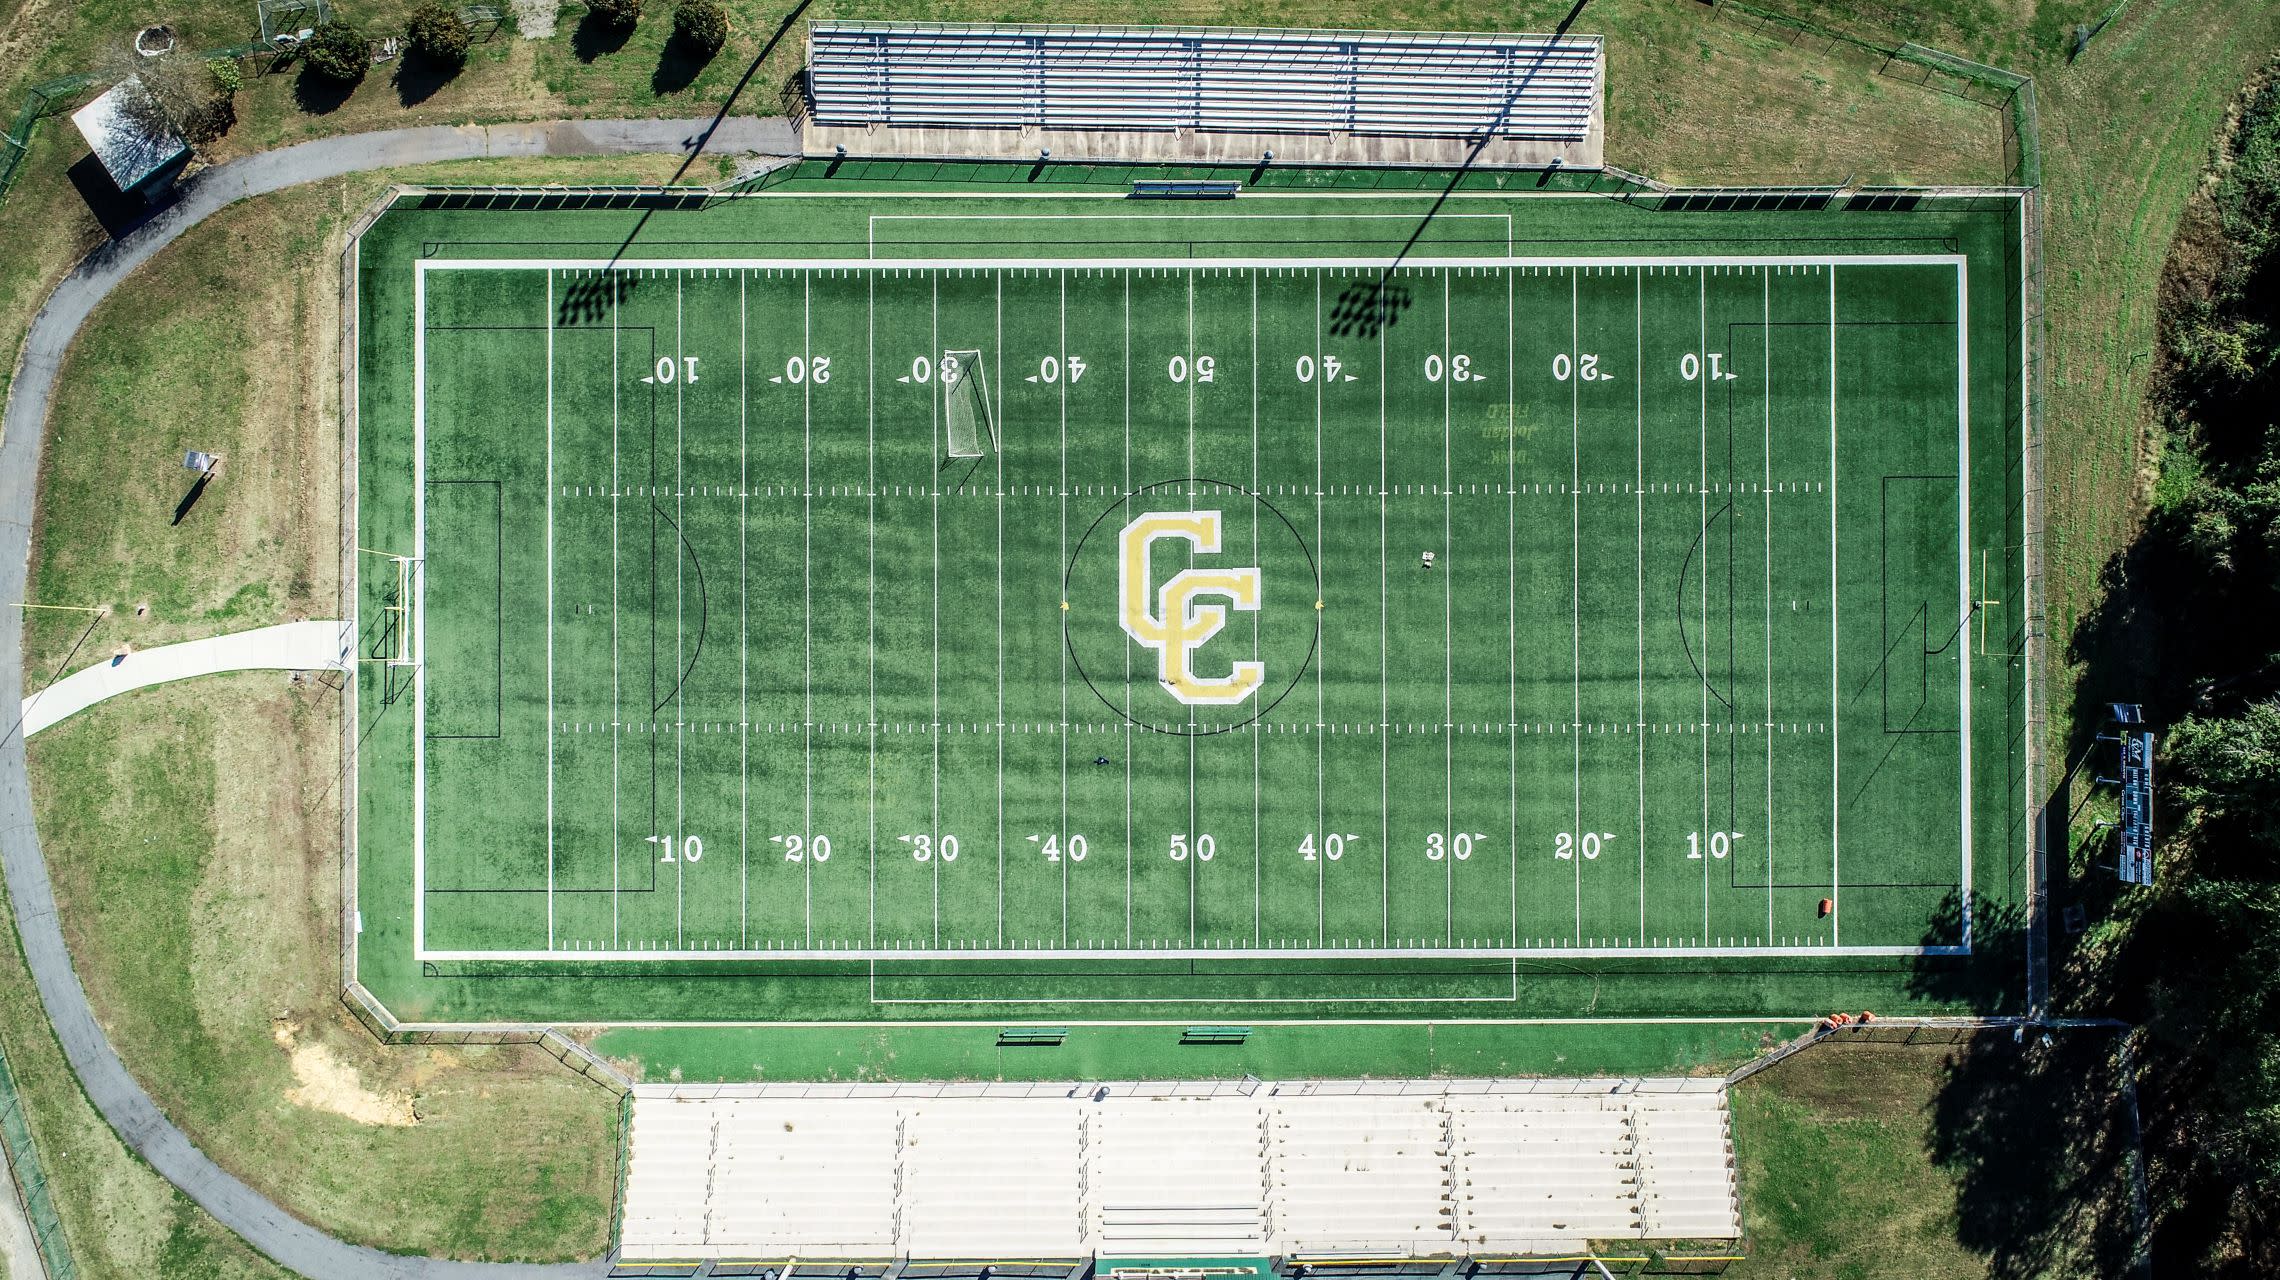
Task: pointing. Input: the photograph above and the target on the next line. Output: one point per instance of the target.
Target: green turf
(1673, 607)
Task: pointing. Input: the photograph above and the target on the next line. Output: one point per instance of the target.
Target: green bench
(1215, 1035)
(1033, 1036)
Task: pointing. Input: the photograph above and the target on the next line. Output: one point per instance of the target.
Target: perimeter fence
(2010, 94)
(32, 1189)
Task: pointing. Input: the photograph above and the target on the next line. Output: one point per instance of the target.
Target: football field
(788, 678)
(1068, 603)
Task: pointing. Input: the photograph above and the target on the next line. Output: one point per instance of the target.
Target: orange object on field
(1827, 905)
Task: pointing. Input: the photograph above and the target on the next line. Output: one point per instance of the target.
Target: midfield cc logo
(1178, 625)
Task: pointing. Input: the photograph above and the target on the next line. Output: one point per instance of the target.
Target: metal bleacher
(1382, 1169)
(993, 76)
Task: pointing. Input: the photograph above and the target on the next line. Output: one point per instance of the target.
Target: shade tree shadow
(2034, 1128)
(597, 37)
(679, 64)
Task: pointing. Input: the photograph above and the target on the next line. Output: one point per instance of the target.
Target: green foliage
(702, 23)
(2219, 351)
(338, 51)
(615, 13)
(437, 33)
(227, 75)
(2249, 198)
(2229, 766)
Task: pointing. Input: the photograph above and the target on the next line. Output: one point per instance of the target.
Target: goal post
(393, 646)
(967, 421)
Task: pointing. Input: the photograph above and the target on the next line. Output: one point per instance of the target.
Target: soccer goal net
(966, 405)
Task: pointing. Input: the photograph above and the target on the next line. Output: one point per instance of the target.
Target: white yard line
(744, 612)
(1321, 806)
(998, 452)
(807, 601)
(1575, 568)
(1195, 860)
(935, 400)
(617, 707)
(1061, 331)
(1639, 548)
(1385, 688)
(1702, 486)
(1766, 492)
(1258, 833)
(1128, 853)
(1836, 709)
(1448, 639)
(550, 610)
(680, 608)
(1512, 584)
(871, 575)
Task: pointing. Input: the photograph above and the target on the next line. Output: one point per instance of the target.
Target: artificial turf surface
(1703, 581)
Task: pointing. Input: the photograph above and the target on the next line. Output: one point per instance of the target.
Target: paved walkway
(110, 1087)
(289, 646)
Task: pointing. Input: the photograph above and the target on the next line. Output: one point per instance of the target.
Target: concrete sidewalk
(290, 646)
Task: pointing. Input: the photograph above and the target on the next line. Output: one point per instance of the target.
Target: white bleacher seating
(994, 76)
(1395, 1167)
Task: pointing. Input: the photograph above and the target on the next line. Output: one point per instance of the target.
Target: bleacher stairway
(1414, 1168)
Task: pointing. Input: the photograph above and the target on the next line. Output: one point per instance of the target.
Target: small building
(129, 136)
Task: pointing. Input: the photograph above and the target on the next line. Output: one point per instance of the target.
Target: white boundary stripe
(415, 617)
(1191, 953)
(647, 1024)
(418, 648)
(549, 610)
(1963, 563)
(1209, 952)
(1160, 264)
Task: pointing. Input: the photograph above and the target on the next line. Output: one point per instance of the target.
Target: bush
(615, 13)
(227, 76)
(702, 23)
(437, 32)
(337, 51)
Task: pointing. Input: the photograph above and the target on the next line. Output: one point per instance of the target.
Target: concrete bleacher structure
(1421, 1168)
(1203, 94)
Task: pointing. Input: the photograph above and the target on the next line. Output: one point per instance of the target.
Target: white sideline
(290, 646)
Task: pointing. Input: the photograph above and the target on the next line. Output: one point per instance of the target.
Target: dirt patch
(328, 1084)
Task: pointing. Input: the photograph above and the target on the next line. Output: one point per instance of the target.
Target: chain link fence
(31, 1183)
(2008, 92)
(49, 97)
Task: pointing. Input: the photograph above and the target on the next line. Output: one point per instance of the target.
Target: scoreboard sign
(2136, 865)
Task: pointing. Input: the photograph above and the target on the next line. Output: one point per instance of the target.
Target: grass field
(708, 649)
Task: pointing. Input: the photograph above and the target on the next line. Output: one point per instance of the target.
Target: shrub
(615, 13)
(437, 32)
(702, 23)
(228, 77)
(338, 51)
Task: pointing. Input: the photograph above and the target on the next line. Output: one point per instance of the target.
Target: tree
(337, 51)
(615, 13)
(702, 24)
(437, 33)
(181, 95)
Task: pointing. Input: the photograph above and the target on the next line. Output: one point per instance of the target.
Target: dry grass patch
(190, 831)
